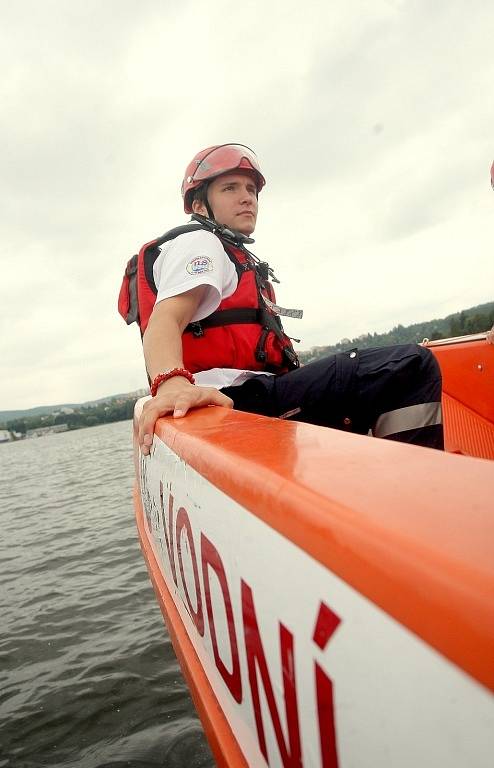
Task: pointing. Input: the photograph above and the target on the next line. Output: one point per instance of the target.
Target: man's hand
(176, 396)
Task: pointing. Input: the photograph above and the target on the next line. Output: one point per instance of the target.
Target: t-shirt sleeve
(192, 259)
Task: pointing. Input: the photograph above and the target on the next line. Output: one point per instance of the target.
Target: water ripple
(88, 675)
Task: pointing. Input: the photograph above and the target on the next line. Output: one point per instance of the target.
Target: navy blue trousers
(391, 392)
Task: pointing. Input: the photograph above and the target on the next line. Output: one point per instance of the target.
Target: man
(212, 333)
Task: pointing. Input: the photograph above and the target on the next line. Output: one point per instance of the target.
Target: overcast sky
(373, 123)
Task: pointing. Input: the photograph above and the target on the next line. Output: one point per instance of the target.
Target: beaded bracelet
(161, 377)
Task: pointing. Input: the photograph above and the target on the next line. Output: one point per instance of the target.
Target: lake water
(88, 676)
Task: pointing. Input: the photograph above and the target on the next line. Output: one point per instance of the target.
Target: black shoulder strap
(176, 231)
(153, 249)
(131, 275)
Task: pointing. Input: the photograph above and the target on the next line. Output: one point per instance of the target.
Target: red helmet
(214, 161)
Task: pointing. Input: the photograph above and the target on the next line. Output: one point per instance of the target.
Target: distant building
(41, 431)
(5, 436)
(64, 409)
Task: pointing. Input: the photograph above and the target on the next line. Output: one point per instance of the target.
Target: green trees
(85, 416)
(474, 320)
(464, 323)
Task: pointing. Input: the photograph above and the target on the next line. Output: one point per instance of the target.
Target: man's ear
(200, 208)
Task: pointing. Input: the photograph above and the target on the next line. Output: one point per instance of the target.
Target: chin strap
(230, 235)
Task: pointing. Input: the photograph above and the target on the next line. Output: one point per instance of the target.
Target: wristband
(161, 377)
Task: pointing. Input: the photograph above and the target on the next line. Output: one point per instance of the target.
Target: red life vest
(242, 333)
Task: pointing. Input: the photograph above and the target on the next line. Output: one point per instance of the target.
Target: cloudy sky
(373, 122)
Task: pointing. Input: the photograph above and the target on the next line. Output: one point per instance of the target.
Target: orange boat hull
(468, 395)
(329, 595)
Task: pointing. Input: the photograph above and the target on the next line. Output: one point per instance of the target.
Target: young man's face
(233, 200)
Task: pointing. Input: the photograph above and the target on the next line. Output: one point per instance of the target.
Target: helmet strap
(206, 201)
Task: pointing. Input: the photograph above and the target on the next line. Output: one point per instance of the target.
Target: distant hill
(473, 320)
(40, 410)
(44, 410)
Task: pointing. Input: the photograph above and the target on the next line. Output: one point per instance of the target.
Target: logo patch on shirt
(199, 265)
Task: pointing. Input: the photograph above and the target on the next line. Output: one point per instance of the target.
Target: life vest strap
(224, 317)
(152, 250)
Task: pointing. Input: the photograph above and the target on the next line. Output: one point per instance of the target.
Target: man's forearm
(163, 337)
(163, 350)
(162, 345)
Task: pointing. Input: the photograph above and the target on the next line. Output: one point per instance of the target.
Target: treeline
(463, 324)
(474, 320)
(89, 416)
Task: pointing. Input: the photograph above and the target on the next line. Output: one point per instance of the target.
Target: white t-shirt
(192, 259)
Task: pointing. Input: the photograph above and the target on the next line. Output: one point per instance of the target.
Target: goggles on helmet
(215, 161)
(226, 157)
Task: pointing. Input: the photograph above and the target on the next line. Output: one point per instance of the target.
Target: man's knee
(414, 411)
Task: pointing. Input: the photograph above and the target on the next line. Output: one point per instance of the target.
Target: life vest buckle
(197, 329)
